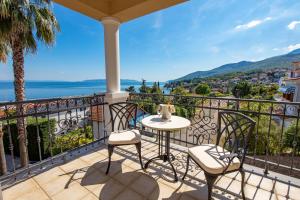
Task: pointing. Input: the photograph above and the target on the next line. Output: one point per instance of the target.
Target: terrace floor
(84, 178)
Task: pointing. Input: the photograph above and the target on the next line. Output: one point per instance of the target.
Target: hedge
(33, 151)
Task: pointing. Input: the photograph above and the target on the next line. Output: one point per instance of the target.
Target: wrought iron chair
(228, 154)
(124, 132)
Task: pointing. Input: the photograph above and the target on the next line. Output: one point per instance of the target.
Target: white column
(112, 54)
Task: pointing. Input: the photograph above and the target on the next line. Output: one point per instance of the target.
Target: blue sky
(197, 35)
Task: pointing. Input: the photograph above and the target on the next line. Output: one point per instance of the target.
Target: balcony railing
(53, 128)
(275, 144)
(57, 129)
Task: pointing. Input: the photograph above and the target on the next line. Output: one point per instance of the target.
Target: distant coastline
(51, 89)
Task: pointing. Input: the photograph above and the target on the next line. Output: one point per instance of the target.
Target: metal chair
(228, 154)
(124, 132)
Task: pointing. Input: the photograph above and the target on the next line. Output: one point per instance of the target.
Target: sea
(53, 89)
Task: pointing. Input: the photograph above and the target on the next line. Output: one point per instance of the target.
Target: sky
(194, 36)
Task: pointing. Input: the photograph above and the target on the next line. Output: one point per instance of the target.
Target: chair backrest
(234, 132)
(123, 115)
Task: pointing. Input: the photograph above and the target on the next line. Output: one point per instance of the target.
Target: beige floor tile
(102, 151)
(144, 185)
(127, 176)
(56, 185)
(93, 180)
(164, 192)
(49, 175)
(94, 157)
(186, 197)
(250, 191)
(196, 190)
(90, 196)
(294, 193)
(254, 179)
(74, 192)
(129, 194)
(74, 165)
(20, 189)
(110, 190)
(281, 188)
(263, 195)
(37, 194)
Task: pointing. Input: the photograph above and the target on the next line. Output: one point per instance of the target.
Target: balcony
(73, 163)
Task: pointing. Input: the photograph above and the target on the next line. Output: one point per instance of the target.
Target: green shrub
(72, 139)
(202, 89)
(32, 129)
(292, 137)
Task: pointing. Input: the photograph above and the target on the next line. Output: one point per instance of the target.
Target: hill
(282, 61)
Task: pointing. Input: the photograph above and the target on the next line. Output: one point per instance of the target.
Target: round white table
(155, 122)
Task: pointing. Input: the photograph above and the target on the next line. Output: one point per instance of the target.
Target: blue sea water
(51, 89)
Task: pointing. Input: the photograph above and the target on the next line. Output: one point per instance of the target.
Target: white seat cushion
(207, 156)
(125, 137)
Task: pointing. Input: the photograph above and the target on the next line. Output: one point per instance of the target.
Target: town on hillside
(270, 84)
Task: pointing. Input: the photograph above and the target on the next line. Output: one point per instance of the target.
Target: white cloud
(215, 49)
(293, 47)
(252, 24)
(158, 21)
(293, 25)
(287, 49)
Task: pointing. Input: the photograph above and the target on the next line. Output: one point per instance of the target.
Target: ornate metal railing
(275, 144)
(39, 133)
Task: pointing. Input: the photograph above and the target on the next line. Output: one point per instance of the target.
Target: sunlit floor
(84, 178)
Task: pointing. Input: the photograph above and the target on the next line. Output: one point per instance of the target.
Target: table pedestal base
(166, 156)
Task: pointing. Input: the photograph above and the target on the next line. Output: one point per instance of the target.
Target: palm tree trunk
(3, 167)
(18, 67)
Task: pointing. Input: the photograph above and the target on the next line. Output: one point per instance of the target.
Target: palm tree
(22, 24)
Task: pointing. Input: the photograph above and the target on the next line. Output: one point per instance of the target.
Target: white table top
(175, 123)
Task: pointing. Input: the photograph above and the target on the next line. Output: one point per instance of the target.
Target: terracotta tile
(75, 191)
(144, 185)
(20, 189)
(129, 194)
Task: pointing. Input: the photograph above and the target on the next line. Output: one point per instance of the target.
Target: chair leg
(139, 150)
(110, 152)
(210, 179)
(187, 167)
(243, 183)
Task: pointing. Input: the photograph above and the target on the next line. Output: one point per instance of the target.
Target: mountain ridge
(281, 61)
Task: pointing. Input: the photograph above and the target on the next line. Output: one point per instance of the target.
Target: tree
(179, 90)
(23, 23)
(202, 89)
(155, 88)
(241, 89)
(144, 88)
(130, 89)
